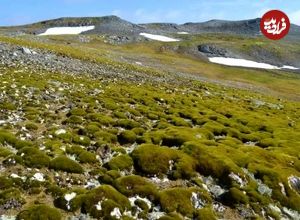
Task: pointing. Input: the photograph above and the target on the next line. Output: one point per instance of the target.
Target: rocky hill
(95, 129)
(118, 26)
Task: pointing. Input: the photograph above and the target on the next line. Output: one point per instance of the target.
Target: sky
(17, 12)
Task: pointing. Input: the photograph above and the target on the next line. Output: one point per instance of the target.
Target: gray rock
(294, 183)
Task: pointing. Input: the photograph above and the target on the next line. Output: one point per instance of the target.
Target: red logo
(275, 25)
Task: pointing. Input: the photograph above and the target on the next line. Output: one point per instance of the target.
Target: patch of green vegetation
(177, 200)
(8, 194)
(209, 163)
(39, 212)
(235, 196)
(63, 163)
(31, 126)
(109, 177)
(127, 137)
(205, 213)
(155, 160)
(106, 136)
(5, 183)
(33, 157)
(110, 199)
(4, 152)
(121, 162)
(136, 185)
(7, 137)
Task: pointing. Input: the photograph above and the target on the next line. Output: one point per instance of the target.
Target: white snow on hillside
(246, 63)
(158, 37)
(182, 33)
(67, 30)
(289, 67)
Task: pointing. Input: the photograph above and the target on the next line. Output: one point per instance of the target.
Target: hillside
(96, 126)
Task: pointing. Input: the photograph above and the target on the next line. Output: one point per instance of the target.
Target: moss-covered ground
(158, 142)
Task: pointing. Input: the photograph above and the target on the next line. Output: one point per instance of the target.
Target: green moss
(92, 128)
(139, 131)
(205, 213)
(110, 199)
(155, 160)
(73, 206)
(127, 137)
(136, 185)
(234, 196)
(210, 163)
(177, 136)
(78, 112)
(177, 200)
(87, 157)
(31, 126)
(120, 115)
(122, 162)
(106, 136)
(55, 191)
(82, 140)
(4, 152)
(63, 163)
(6, 137)
(269, 142)
(74, 119)
(39, 212)
(11, 193)
(127, 124)
(33, 157)
(5, 183)
(7, 106)
(82, 155)
(101, 118)
(180, 122)
(171, 216)
(109, 177)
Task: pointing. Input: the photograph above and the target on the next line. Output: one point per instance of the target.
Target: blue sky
(14, 12)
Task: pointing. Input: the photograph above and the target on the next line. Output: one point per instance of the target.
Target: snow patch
(159, 37)
(38, 177)
(67, 30)
(116, 213)
(289, 67)
(183, 32)
(246, 63)
(68, 198)
(60, 131)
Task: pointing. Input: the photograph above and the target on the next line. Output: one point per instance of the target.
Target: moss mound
(42, 212)
(33, 157)
(109, 198)
(156, 160)
(121, 162)
(63, 163)
(177, 200)
(136, 185)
